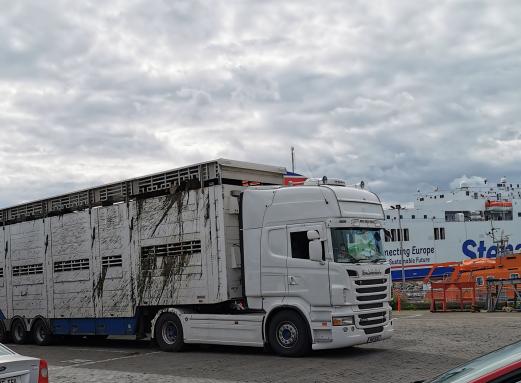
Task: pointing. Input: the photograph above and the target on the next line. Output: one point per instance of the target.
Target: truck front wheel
(288, 334)
(169, 332)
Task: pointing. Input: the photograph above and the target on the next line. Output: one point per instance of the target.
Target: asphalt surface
(424, 345)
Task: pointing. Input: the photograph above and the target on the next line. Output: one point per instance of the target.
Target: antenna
(293, 159)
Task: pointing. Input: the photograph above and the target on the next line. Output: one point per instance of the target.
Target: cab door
(273, 268)
(307, 279)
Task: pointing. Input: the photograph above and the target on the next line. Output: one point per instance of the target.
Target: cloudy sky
(402, 94)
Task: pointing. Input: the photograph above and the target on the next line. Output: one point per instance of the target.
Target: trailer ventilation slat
(204, 173)
(71, 265)
(22, 270)
(111, 261)
(172, 249)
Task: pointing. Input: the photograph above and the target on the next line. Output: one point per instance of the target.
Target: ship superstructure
(447, 226)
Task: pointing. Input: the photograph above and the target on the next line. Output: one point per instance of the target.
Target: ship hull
(462, 240)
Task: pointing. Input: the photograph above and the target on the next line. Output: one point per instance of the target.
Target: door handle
(291, 280)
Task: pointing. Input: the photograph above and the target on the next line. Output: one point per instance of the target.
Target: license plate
(371, 339)
(8, 380)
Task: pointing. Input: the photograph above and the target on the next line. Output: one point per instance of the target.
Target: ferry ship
(453, 226)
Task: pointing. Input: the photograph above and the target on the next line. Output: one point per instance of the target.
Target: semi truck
(219, 252)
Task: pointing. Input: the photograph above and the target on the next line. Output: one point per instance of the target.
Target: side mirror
(315, 246)
(313, 235)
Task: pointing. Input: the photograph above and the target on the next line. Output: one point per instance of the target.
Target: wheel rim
(169, 332)
(287, 334)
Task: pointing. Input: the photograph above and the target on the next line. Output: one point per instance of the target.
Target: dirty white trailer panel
(100, 269)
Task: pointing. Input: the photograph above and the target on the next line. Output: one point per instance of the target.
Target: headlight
(343, 321)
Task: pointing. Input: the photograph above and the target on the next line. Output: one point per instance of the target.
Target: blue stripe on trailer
(94, 326)
(396, 274)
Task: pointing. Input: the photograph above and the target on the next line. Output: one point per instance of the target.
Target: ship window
(401, 216)
(387, 234)
(439, 233)
(467, 192)
(519, 214)
(299, 245)
(475, 195)
(388, 217)
(514, 276)
(442, 196)
(479, 281)
(413, 216)
(405, 234)
(425, 216)
(422, 199)
(393, 235)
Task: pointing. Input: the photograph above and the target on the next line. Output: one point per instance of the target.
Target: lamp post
(400, 235)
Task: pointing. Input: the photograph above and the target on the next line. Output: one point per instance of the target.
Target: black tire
(18, 333)
(169, 333)
(288, 334)
(41, 333)
(4, 335)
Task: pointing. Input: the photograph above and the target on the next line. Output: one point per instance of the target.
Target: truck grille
(371, 290)
(373, 330)
(369, 306)
(372, 319)
(377, 289)
(372, 294)
(365, 282)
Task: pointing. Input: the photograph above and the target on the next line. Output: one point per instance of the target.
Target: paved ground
(424, 345)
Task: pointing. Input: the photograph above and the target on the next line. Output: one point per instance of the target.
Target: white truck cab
(320, 257)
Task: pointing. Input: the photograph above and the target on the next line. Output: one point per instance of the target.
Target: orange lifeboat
(498, 205)
(477, 264)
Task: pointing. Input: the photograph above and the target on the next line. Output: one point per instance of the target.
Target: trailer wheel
(288, 334)
(41, 333)
(18, 332)
(169, 332)
(4, 335)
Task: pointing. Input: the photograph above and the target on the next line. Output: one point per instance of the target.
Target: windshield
(5, 351)
(481, 366)
(357, 245)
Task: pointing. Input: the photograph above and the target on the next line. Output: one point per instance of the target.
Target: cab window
(299, 244)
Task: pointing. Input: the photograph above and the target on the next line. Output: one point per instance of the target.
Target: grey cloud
(400, 95)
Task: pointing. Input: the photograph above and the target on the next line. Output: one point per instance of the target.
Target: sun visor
(362, 209)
